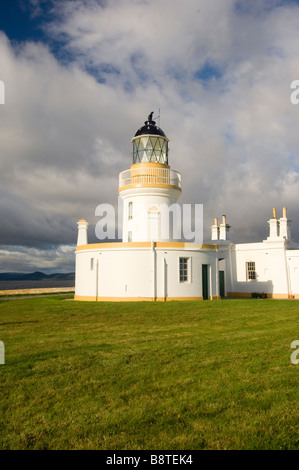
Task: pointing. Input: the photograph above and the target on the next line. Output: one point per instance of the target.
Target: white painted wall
(149, 213)
(168, 282)
(142, 272)
(292, 257)
(277, 269)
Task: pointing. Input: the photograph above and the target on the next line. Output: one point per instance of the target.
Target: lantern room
(150, 144)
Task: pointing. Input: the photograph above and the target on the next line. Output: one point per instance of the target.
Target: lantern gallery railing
(150, 176)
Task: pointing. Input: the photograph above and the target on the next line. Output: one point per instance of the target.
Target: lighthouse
(151, 263)
(149, 188)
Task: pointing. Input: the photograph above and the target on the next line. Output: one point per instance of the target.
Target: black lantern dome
(150, 144)
(150, 128)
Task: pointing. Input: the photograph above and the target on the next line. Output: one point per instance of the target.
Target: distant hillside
(36, 276)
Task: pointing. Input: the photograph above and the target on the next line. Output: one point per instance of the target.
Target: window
(130, 212)
(184, 269)
(150, 148)
(250, 271)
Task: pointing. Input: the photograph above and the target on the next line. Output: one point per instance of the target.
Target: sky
(82, 76)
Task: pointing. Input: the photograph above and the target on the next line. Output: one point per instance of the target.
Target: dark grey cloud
(66, 126)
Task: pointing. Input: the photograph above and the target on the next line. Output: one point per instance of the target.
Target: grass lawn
(171, 376)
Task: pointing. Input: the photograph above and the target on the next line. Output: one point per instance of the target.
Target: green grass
(172, 376)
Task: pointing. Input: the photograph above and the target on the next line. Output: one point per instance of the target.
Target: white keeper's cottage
(146, 266)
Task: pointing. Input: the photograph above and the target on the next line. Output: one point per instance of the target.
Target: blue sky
(21, 22)
(82, 76)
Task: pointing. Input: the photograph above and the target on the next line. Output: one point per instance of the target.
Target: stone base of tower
(146, 271)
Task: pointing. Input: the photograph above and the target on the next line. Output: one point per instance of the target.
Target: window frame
(184, 269)
(130, 210)
(250, 271)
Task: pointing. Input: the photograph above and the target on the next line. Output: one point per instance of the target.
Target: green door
(221, 284)
(205, 282)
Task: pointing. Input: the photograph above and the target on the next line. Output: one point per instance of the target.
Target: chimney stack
(82, 232)
(215, 230)
(284, 224)
(224, 230)
(279, 229)
(220, 232)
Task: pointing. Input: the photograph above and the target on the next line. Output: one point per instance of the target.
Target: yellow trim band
(195, 246)
(132, 299)
(109, 245)
(168, 299)
(86, 298)
(179, 245)
(149, 165)
(149, 185)
(245, 295)
(248, 295)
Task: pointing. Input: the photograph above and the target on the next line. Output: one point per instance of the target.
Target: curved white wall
(143, 273)
(146, 214)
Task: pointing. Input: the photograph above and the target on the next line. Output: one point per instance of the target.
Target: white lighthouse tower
(149, 188)
(151, 263)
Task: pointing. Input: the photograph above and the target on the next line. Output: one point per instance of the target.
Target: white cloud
(66, 126)
(142, 41)
(23, 260)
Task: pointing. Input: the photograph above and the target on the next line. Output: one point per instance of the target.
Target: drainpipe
(154, 270)
(287, 271)
(164, 278)
(217, 276)
(231, 268)
(97, 278)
